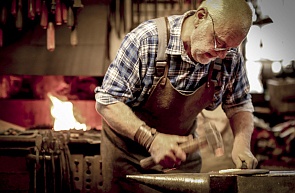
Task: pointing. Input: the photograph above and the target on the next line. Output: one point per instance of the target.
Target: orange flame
(64, 118)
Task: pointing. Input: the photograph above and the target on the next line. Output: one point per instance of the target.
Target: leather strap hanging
(162, 60)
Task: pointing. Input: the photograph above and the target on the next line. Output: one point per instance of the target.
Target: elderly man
(164, 74)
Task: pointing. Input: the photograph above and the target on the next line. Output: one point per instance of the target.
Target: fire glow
(62, 112)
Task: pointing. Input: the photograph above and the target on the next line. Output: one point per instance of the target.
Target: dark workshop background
(75, 64)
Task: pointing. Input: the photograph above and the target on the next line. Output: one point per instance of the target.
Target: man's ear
(202, 13)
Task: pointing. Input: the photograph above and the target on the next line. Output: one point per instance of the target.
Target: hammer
(212, 138)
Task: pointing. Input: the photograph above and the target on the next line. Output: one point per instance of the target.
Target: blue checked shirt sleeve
(121, 74)
(237, 96)
(129, 74)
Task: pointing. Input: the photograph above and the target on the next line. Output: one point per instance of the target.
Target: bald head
(235, 13)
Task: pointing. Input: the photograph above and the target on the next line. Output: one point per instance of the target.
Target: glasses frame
(216, 49)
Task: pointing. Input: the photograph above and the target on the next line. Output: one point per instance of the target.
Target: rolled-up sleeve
(230, 110)
(102, 97)
(237, 96)
(121, 75)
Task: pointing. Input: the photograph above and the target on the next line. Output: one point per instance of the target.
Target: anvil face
(265, 181)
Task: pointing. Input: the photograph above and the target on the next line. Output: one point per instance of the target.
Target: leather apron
(167, 110)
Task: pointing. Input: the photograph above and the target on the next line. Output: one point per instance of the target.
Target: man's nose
(221, 54)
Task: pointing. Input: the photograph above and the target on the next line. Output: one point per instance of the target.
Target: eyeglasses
(216, 49)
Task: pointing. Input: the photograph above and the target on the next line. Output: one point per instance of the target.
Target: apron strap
(216, 75)
(163, 37)
(161, 67)
(209, 78)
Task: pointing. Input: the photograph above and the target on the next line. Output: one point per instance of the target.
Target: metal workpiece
(214, 182)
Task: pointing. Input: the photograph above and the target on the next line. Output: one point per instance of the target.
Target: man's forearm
(120, 118)
(242, 126)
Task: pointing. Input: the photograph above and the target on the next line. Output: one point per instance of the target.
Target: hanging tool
(51, 28)
(44, 151)
(53, 6)
(52, 149)
(58, 13)
(19, 16)
(13, 7)
(31, 9)
(69, 163)
(50, 37)
(44, 15)
(2, 23)
(64, 13)
(58, 152)
(74, 33)
(38, 146)
(38, 6)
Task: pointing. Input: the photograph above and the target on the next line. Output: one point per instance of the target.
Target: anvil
(241, 181)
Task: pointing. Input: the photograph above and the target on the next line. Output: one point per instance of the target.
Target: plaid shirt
(130, 76)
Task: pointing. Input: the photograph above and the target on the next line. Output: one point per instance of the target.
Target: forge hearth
(25, 102)
(36, 113)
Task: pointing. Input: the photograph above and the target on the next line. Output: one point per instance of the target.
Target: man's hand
(242, 126)
(241, 153)
(165, 149)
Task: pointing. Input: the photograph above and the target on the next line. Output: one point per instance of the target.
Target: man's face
(210, 40)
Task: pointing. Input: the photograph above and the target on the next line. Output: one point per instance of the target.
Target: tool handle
(188, 147)
(147, 163)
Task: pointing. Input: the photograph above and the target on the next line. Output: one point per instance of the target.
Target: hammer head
(214, 138)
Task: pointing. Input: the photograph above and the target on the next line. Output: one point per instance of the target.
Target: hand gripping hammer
(212, 138)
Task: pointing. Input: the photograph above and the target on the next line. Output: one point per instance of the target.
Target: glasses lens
(221, 49)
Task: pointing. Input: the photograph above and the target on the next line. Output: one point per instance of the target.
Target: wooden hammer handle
(188, 147)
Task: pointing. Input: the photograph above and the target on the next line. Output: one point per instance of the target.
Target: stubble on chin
(201, 58)
(195, 56)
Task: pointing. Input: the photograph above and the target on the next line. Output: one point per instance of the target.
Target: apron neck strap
(162, 60)
(211, 67)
